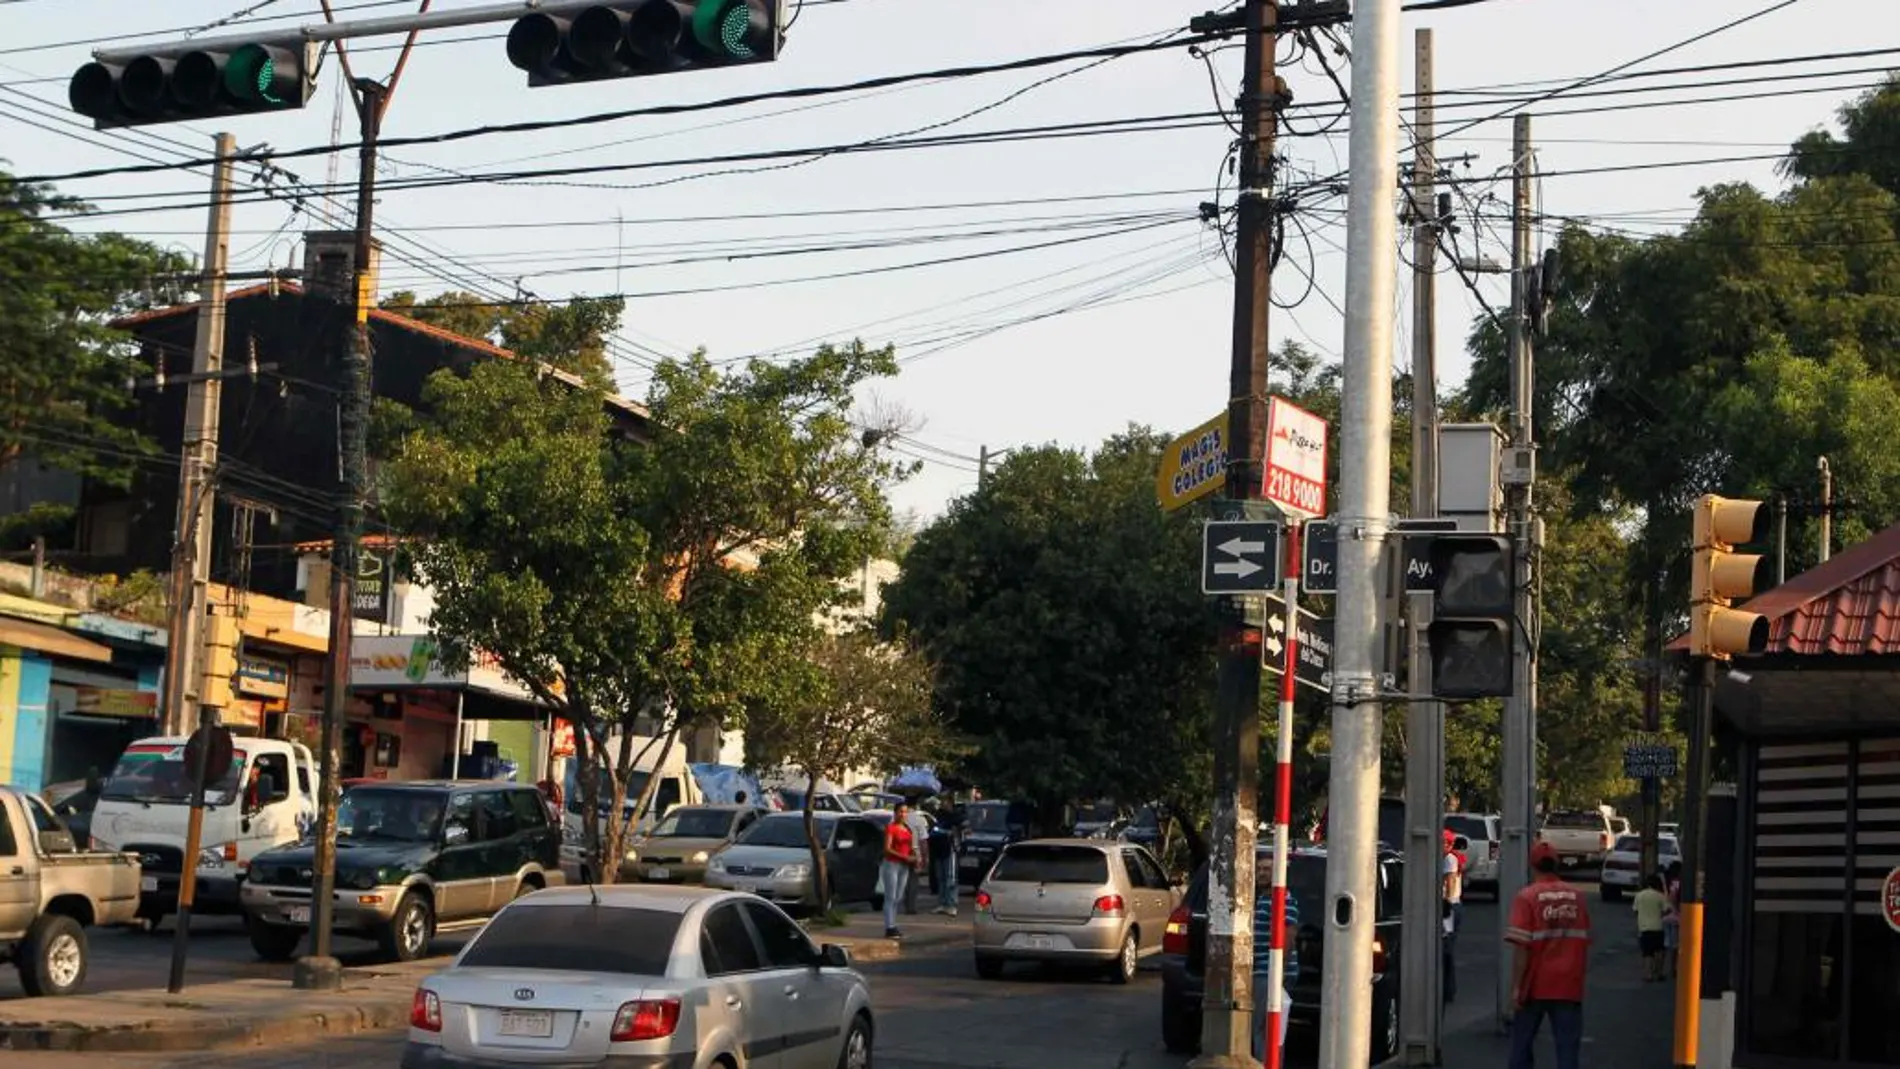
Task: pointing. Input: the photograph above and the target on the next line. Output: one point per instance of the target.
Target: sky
(1038, 289)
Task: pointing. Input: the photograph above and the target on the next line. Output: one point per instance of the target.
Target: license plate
(659, 874)
(298, 914)
(966, 863)
(530, 1024)
(148, 883)
(1041, 942)
(1570, 862)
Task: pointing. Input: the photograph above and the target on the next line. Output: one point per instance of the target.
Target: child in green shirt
(1650, 905)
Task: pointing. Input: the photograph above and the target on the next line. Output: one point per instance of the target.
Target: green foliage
(571, 336)
(141, 596)
(1871, 147)
(673, 579)
(65, 371)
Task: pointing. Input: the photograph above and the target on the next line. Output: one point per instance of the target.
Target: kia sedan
(641, 977)
(1091, 901)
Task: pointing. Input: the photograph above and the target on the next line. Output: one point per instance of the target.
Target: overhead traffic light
(590, 41)
(1474, 614)
(176, 83)
(1720, 575)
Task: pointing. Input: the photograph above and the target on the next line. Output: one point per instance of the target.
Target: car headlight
(216, 857)
(700, 858)
(797, 870)
(633, 853)
(357, 880)
(717, 864)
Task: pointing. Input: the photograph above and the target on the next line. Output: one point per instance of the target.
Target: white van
(267, 798)
(677, 787)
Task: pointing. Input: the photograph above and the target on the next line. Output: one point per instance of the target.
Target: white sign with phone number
(1296, 459)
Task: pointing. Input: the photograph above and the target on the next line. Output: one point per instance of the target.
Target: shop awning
(45, 638)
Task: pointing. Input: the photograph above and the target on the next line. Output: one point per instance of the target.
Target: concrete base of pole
(1715, 1026)
(317, 974)
(1224, 1061)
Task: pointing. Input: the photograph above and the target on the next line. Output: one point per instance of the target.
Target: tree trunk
(587, 760)
(820, 879)
(614, 850)
(653, 781)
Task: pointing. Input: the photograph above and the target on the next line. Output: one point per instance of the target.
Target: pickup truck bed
(50, 893)
(1581, 837)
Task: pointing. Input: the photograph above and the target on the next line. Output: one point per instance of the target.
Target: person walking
(1262, 960)
(1650, 906)
(900, 856)
(1452, 881)
(943, 861)
(1549, 933)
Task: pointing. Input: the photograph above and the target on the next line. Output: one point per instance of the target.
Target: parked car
(987, 828)
(1623, 866)
(412, 859)
(1097, 819)
(1484, 832)
(1091, 901)
(773, 859)
(51, 892)
(1581, 836)
(642, 975)
(676, 851)
(1184, 952)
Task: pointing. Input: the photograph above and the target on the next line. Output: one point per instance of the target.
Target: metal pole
(194, 842)
(1423, 950)
(1827, 509)
(1781, 539)
(1519, 727)
(1694, 839)
(1226, 1027)
(455, 758)
(321, 970)
(191, 551)
(982, 465)
(1283, 795)
(1364, 515)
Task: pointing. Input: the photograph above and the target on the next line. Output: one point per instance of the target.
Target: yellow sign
(98, 701)
(1194, 465)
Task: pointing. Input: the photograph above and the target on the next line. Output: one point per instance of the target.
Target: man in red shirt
(1549, 933)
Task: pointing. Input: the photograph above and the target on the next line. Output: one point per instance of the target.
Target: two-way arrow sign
(1240, 557)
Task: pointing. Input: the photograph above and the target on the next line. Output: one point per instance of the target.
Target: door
(856, 852)
(460, 877)
(503, 851)
(19, 887)
(540, 842)
(268, 819)
(1157, 896)
(813, 1007)
(741, 990)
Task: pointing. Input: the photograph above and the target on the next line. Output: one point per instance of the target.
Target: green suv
(412, 859)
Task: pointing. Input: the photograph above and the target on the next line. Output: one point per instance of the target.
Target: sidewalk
(863, 934)
(209, 1016)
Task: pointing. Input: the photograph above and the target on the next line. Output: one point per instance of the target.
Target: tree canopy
(570, 335)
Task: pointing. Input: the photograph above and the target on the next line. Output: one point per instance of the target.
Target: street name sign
(1313, 665)
(1649, 757)
(1320, 574)
(1295, 477)
(1193, 465)
(1418, 550)
(1239, 557)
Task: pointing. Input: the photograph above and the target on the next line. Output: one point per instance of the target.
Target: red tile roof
(1848, 606)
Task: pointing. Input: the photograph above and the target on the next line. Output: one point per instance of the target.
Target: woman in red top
(900, 856)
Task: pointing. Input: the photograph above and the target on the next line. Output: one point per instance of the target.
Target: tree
(571, 336)
(64, 369)
(669, 579)
(851, 702)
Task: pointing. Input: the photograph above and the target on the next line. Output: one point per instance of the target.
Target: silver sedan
(642, 977)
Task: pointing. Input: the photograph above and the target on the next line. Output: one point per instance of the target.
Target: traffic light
(585, 42)
(175, 83)
(1474, 613)
(220, 659)
(1721, 575)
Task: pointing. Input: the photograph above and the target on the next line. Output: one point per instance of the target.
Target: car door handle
(17, 871)
(732, 1002)
(791, 991)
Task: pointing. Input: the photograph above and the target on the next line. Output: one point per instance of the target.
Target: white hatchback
(641, 975)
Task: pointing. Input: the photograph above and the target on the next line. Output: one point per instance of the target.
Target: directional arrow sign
(1239, 557)
(1314, 664)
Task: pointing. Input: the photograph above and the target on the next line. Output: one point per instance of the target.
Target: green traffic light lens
(731, 27)
(732, 31)
(251, 75)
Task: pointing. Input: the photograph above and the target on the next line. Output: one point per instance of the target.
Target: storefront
(412, 717)
(32, 649)
(97, 710)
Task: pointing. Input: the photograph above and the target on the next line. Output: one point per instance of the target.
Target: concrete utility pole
(321, 969)
(1422, 1008)
(1226, 1029)
(1827, 509)
(1364, 515)
(191, 547)
(1519, 728)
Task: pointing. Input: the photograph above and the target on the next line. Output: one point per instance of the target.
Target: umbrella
(722, 784)
(916, 780)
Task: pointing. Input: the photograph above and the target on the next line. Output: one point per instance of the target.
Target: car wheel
(1127, 961)
(1180, 1030)
(1612, 893)
(273, 942)
(857, 1045)
(1385, 1028)
(406, 936)
(53, 957)
(989, 968)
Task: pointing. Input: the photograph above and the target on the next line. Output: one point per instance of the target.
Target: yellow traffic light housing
(220, 660)
(1720, 576)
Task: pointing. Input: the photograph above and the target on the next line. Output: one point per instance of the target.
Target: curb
(871, 950)
(374, 1010)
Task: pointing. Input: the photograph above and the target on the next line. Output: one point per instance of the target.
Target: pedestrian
(1452, 882)
(1263, 961)
(943, 861)
(1549, 933)
(1672, 919)
(1650, 906)
(919, 826)
(900, 855)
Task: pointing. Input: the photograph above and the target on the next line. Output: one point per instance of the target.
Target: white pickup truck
(51, 892)
(1582, 837)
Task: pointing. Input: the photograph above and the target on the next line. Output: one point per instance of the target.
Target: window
(497, 815)
(1632, 844)
(458, 824)
(1583, 819)
(786, 830)
(785, 945)
(862, 834)
(695, 823)
(635, 942)
(727, 943)
(1137, 873)
(277, 767)
(8, 848)
(1157, 876)
(389, 814)
(1041, 863)
(530, 812)
(1476, 829)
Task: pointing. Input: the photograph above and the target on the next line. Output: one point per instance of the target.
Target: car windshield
(989, 818)
(575, 938)
(695, 824)
(1593, 821)
(389, 815)
(155, 775)
(1629, 844)
(788, 830)
(1096, 813)
(1041, 863)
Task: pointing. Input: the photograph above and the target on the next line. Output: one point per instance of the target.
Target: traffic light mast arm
(341, 31)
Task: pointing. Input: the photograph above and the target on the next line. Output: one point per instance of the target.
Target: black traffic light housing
(591, 40)
(178, 83)
(1474, 612)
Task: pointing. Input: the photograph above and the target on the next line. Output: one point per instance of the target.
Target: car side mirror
(57, 841)
(833, 956)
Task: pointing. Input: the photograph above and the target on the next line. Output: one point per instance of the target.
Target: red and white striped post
(1283, 796)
